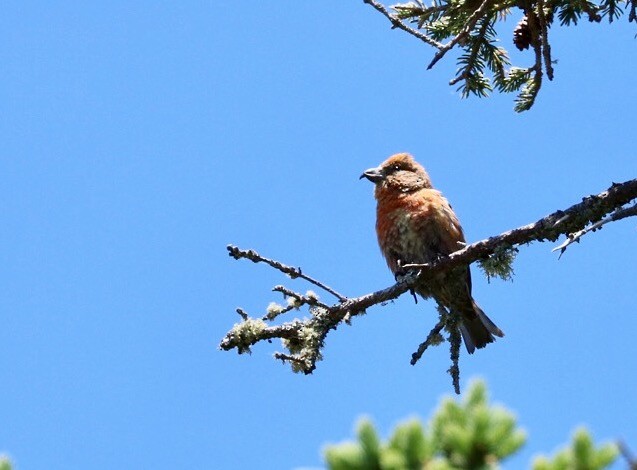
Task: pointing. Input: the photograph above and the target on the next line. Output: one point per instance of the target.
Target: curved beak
(374, 175)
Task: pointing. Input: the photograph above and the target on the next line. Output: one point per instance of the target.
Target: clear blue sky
(138, 139)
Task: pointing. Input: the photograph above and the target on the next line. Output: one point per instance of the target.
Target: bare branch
(619, 214)
(304, 338)
(255, 257)
(242, 313)
(546, 47)
(396, 23)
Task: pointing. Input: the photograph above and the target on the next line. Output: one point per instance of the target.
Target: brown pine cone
(522, 34)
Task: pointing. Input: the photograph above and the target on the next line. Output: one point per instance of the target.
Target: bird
(415, 224)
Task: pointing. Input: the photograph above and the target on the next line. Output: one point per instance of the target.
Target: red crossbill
(415, 225)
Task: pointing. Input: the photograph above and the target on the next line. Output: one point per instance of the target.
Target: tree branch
(448, 24)
(469, 25)
(619, 214)
(464, 73)
(396, 23)
(304, 338)
(546, 47)
(255, 257)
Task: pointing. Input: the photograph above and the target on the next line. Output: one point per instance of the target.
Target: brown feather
(416, 224)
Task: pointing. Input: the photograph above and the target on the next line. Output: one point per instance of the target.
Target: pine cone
(522, 34)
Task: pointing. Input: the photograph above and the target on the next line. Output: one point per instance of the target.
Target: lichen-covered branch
(304, 338)
(572, 220)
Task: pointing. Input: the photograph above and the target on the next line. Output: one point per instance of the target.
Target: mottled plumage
(415, 224)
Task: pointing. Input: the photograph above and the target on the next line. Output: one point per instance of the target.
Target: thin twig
(255, 257)
(308, 299)
(242, 313)
(619, 214)
(396, 23)
(295, 301)
(432, 339)
(536, 42)
(287, 357)
(546, 47)
(472, 58)
(469, 25)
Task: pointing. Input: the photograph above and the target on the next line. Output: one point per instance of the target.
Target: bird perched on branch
(415, 225)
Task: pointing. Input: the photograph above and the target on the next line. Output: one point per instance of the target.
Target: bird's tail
(477, 329)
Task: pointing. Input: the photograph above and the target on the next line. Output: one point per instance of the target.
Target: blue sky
(139, 139)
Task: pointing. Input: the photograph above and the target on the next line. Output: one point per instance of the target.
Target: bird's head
(399, 172)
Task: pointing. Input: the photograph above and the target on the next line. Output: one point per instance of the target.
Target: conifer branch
(466, 73)
(546, 47)
(470, 24)
(396, 23)
(304, 339)
(450, 24)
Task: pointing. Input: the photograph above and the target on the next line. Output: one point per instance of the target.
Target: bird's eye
(396, 167)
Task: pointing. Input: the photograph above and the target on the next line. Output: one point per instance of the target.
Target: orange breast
(415, 227)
